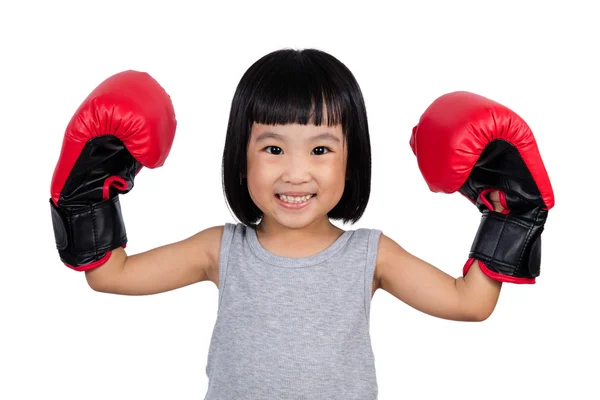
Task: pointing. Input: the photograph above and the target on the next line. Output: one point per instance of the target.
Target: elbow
(480, 317)
(478, 314)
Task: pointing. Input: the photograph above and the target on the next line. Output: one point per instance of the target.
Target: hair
(294, 86)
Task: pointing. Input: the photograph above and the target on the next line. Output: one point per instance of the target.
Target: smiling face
(296, 173)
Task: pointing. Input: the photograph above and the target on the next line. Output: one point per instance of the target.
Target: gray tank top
(293, 328)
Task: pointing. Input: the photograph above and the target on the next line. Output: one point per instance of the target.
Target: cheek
(334, 172)
(260, 173)
(257, 167)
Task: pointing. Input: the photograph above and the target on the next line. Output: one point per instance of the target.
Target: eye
(273, 150)
(321, 150)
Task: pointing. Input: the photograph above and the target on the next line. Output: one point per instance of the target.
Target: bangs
(295, 89)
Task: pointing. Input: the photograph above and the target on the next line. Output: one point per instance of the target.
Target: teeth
(290, 199)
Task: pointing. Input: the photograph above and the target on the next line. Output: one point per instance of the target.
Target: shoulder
(388, 252)
(387, 248)
(212, 240)
(208, 242)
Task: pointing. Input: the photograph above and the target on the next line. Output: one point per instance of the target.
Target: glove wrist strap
(85, 234)
(510, 246)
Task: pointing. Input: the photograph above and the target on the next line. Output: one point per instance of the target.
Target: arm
(162, 269)
(432, 291)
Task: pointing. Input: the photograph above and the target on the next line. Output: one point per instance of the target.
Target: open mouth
(295, 202)
(295, 199)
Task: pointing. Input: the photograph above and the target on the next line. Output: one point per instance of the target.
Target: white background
(60, 339)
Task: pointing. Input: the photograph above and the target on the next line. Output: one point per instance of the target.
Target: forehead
(296, 131)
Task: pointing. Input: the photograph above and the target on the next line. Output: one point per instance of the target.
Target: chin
(291, 222)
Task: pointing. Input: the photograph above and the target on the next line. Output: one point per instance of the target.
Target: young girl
(294, 289)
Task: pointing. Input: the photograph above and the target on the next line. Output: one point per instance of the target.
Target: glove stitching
(486, 259)
(511, 221)
(528, 237)
(94, 232)
(69, 222)
(493, 256)
(99, 250)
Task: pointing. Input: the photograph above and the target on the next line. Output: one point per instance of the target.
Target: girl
(294, 289)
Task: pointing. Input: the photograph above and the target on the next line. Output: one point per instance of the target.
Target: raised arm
(421, 285)
(470, 144)
(165, 268)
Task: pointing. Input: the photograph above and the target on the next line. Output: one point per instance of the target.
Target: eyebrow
(328, 136)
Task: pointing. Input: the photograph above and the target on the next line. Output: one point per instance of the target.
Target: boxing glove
(126, 123)
(468, 143)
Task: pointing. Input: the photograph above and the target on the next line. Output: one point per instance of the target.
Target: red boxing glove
(126, 123)
(467, 143)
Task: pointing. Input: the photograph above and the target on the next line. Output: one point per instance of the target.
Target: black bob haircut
(293, 86)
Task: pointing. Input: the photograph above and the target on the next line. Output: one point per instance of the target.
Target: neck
(271, 229)
(297, 242)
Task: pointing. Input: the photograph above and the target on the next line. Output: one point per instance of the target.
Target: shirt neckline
(291, 262)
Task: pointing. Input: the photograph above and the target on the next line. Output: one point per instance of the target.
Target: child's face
(306, 162)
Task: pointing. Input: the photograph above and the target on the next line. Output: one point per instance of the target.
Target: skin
(301, 159)
(294, 159)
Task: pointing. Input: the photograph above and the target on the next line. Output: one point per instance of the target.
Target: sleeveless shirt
(293, 328)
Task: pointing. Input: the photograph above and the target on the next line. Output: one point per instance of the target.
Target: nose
(297, 169)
